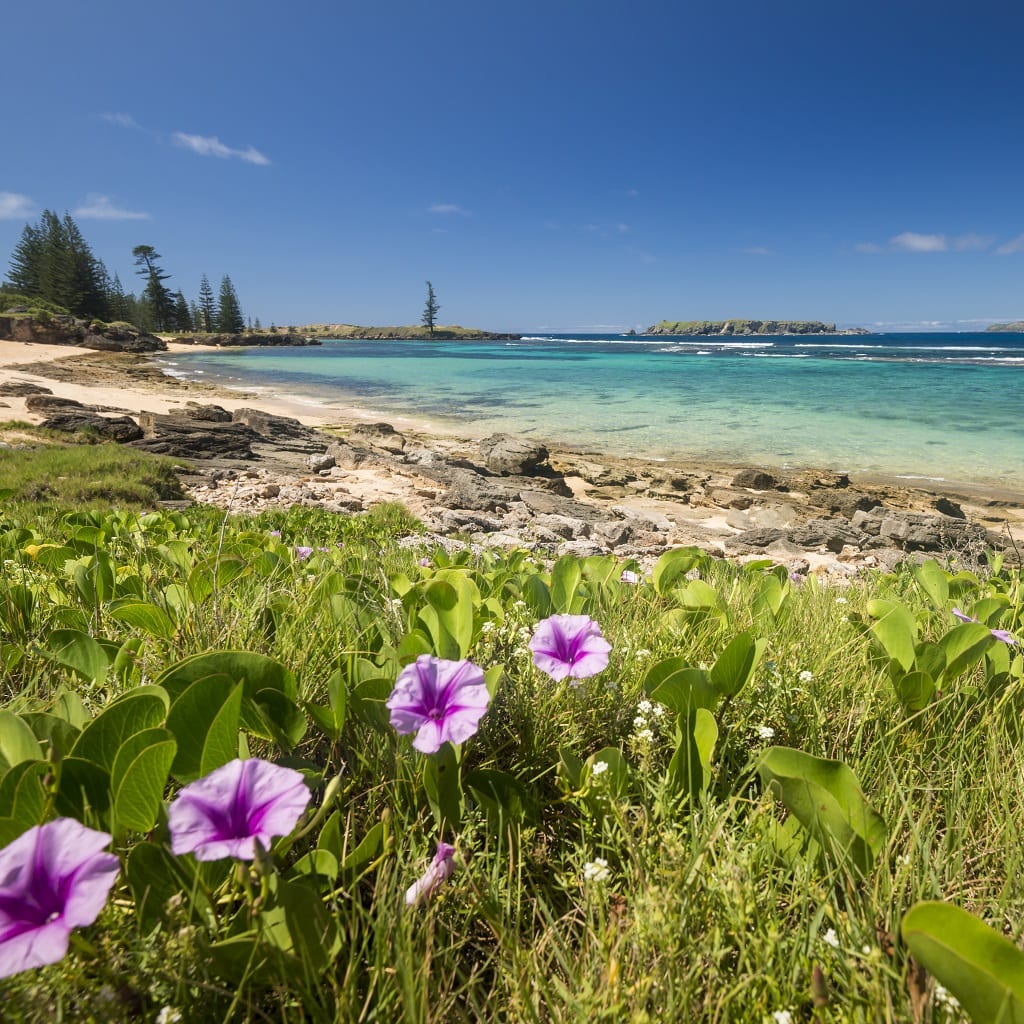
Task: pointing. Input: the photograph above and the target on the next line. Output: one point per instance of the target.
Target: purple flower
(53, 878)
(628, 576)
(226, 812)
(275, 533)
(569, 645)
(425, 562)
(441, 701)
(442, 867)
(1000, 634)
(302, 552)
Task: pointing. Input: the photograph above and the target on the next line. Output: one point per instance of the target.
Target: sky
(549, 165)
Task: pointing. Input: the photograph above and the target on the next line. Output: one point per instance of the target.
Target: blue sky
(557, 165)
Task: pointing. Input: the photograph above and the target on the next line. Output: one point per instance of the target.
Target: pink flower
(441, 701)
(302, 552)
(442, 867)
(569, 645)
(53, 878)
(628, 576)
(226, 812)
(1000, 634)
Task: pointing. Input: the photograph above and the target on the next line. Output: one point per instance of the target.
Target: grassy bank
(634, 845)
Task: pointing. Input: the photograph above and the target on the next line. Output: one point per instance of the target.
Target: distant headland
(409, 333)
(1017, 327)
(744, 327)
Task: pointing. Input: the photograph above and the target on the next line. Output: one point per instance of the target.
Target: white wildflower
(168, 1015)
(658, 711)
(395, 603)
(765, 732)
(645, 707)
(640, 722)
(831, 939)
(841, 600)
(943, 995)
(805, 676)
(488, 627)
(596, 870)
(645, 736)
(782, 1017)
(643, 653)
(599, 768)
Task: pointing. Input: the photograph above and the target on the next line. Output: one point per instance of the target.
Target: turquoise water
(938, 406)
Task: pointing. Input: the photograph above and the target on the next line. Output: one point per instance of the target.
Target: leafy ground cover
(745, 797)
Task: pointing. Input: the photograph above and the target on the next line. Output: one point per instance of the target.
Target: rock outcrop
(739, 327)
(57, 329)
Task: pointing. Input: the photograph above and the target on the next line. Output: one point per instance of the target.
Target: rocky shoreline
(506, 491)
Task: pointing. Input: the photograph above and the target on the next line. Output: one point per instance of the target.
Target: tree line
(52, 262)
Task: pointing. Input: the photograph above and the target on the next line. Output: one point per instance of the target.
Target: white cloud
(972, 241)
(121, 120)
(210, 145)
(97, 207)
(447, 208)
(14, 206)
(1012, 246)
(911, 241)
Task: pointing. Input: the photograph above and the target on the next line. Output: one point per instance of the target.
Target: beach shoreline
(136, 385)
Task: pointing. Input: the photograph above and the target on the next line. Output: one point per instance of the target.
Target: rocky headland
(60, 329)
(507, 491)
(452, 332)
(1017, 327)
(711, 328)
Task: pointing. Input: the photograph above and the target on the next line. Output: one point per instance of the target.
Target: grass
(704, 913)
(52, 472)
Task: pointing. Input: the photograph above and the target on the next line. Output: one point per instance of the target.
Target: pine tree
(86, 275)
(156, 304)
(117, 301)
(207, 307)
(197, 317)
(23, 274)
(182, 316)
(431, 309)
(229, 312)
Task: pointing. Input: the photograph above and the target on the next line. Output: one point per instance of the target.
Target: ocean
(940, 407)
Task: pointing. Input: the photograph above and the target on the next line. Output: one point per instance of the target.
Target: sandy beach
(134, 384)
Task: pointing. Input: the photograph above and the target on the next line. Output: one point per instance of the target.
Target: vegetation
(740, 326)
(728, 822)
(412, 331)
(431, 310)
(53, 269)
(1017, 327)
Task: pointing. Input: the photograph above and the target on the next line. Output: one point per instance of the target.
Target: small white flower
(782, 1017)
(866, 949)
(765, 732)
(168, 1015)
(645, 736)
(488, 627)
(830, 938)
(596, 870)
(395, 603)
(841, 600)
(599, 768)
(658, 711)
(643, 653)
(943, 995)
(645, 707)
(628, 576)
(805, 676)
(640, 722)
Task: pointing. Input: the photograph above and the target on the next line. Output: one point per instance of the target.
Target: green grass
(84, 474)
(703, 915)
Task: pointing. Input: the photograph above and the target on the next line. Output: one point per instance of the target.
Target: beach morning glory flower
(224, 813)
(1000, 634)
(302, 552)
(53, 878)
(442, 867)
(629, 576)
(441, 701)
(569, 645)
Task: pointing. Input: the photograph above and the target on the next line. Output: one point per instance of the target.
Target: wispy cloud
(210, 145)
(97, 207)
(1012, 246)
(14, 206)
(911, 241)
(868, 247)
(121, 120)
(447, 209)
(756, 250)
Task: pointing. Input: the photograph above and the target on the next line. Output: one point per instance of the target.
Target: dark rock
(755, 479)
(183, 437)
(472, 491)
(553, 504)
(207, 413)
(949, 508)
(846, 503)
(760, 537)
(512, 456)
(833, 534)
(68, 330)
(379, 435)
(49, 402)
(869, 522)
(122, 429)
(21, 388)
